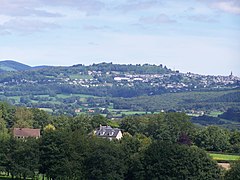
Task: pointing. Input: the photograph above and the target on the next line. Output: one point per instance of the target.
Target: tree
(80, 148)
(54, 153)
(4, 135)
(212, 138)
(6, 155)
(49, 127)
(133, 148)
(235, 141)
(7, 113)
(26, 157)
(184, 139)
(104, 160)
(81, 123)
(176, 124)
(134, 125)
(235, 137)
(234, 172)
(61, 122)
(19, 157)
(63, 153)
(96, 120)
(40, 118)
(3, 157)
(163, 126)
(169, 126)
(23, 118)
(164, 160)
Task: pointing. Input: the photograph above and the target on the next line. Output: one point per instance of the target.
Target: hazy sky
(201, 36)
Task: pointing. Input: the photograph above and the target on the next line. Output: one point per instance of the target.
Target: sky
(199, 36)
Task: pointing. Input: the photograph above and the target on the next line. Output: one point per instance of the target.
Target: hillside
(113, 80)
(9, 65)
(118, 88)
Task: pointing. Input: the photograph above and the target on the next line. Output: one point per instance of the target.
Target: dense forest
(155, 146)
(205, 101)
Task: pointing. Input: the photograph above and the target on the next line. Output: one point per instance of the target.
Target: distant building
(109, 132)
(78, 110)
(121, 79)
(91, 111)
(231, 75)
(26, 132)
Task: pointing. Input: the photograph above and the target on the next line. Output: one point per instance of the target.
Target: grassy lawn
(215, 113)
(16, 98)
(114, 124)
(224, 157)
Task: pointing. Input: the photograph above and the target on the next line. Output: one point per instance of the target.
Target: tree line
(159, 146)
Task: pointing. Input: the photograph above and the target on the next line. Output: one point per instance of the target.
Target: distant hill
(41, 67)
(10, 65)
(140, 87)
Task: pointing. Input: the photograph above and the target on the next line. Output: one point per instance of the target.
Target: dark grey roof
(107, 131)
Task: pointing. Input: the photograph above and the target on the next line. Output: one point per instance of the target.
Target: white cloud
(228, 6)
(160, 19)
(94, 27)
(28, 16)
(37, 7)
(24, 8)
(202, 18)
(139, 5)
(91, 7)
(26, 26)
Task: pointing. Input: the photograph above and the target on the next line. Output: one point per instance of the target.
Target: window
(111, 133)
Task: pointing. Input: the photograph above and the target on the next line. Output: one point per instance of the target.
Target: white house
(108, 132)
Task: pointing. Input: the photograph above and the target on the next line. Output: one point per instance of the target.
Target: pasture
(224, 157)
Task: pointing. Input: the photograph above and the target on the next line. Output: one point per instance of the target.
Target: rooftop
(26, 132)
(107, 131)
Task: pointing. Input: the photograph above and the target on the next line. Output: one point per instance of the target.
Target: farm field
(224, 157)
(215, 113)
(79, 76)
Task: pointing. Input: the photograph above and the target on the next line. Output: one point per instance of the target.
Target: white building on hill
(108, 132)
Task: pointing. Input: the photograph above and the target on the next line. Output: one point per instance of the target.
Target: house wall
(119, 135)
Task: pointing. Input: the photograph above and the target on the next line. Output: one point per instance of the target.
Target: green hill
(10, 65)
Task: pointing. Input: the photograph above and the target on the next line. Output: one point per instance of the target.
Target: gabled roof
(107, 131)
(26, 132)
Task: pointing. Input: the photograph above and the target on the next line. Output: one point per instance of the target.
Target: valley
(117, 90)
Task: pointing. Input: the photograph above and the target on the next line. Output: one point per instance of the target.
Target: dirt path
(225, 165)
